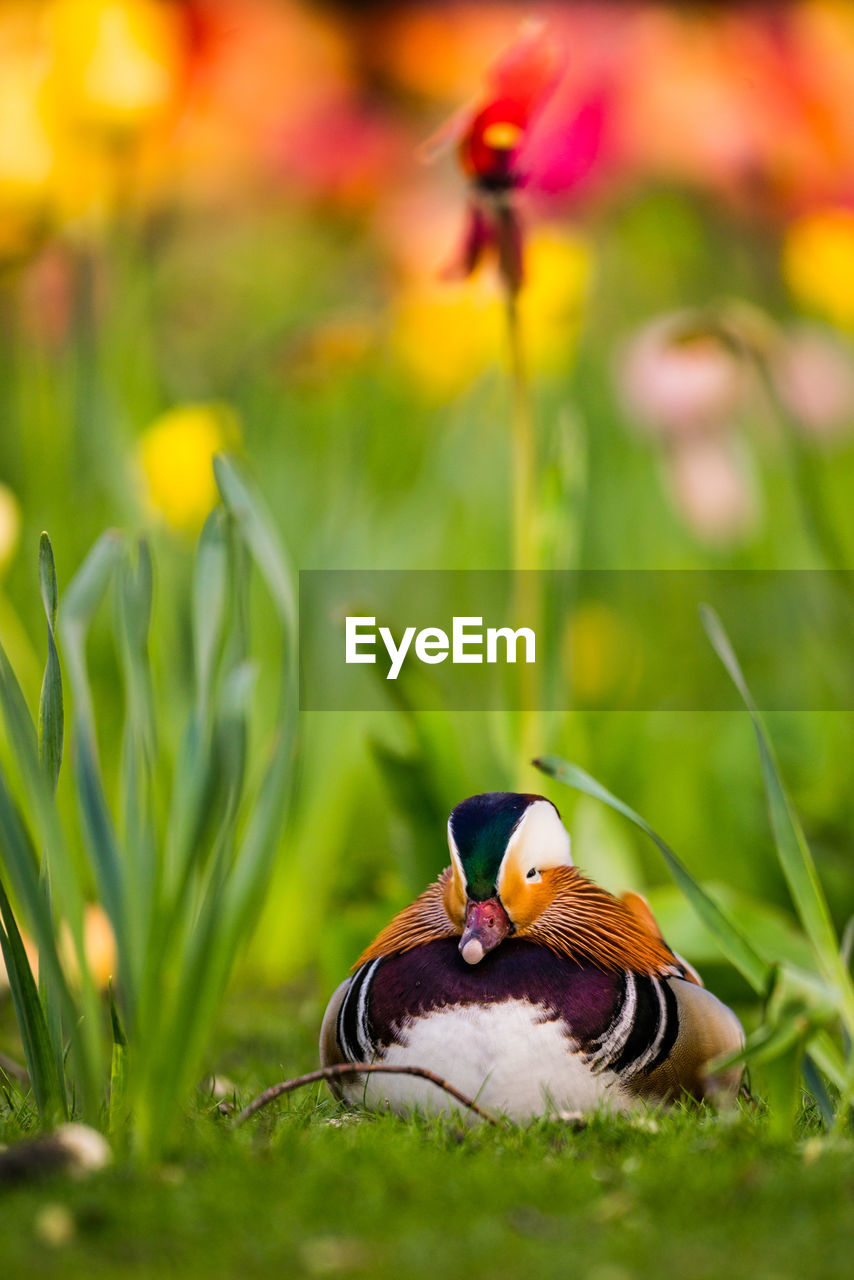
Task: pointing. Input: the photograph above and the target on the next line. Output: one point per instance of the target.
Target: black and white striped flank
(355, 1037)
(642, 1031)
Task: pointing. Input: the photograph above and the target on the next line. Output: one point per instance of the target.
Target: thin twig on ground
(344, 1069)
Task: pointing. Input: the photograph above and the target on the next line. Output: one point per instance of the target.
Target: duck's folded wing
(708, 1029)
(642, 911)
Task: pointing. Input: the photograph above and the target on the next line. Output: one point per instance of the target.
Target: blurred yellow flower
(601, 659)
(26, 153)
(10, 525)
(818, 263)
(115, 62)
(175, 455)
(559, 271)
(447, 334)
(115, 69)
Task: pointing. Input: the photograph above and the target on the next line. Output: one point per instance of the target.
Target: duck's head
(505, 848)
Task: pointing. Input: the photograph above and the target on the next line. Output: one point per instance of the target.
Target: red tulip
(495, 142)
(518, 87)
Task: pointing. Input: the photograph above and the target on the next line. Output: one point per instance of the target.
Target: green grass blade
(232, 889)
(134, 593)
(193, 790)
(21, 867)
(846, 947)
(82, 597)
(23, 737)
(226, 915)
(37, 886)
(103, 850)
(827, 1056)
(816, 1086)
(256, 525)
(210, 603)
(18, 856)
(51, 714)
(732, 942)
(118, 1070)
(259, 842)
(194, 785)
(793, 851)
(39, 790)
(230, 718)
(48, 1085)
(85, 592)
(19, 723)
(51, 726)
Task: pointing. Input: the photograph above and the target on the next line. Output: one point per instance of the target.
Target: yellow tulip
(447, 334)
(26, 152)
(115, 62)
(818, 263)
(175, 455)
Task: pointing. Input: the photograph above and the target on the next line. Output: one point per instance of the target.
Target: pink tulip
(813, 372)
(678, 383)
(709, 489)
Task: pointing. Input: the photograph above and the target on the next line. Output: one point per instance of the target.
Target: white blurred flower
(710, 489)
(813, 372)
(676, 380)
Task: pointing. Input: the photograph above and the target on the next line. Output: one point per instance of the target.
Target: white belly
(497, 1054)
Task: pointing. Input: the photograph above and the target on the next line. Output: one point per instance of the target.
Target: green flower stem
(525, 543)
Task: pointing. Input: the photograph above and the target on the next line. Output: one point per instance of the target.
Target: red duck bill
(487, 924)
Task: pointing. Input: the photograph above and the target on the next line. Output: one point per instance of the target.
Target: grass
(306, 1189)
(181, 892)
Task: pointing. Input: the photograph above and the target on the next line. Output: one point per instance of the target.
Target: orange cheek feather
(454, 900)
(524, 902)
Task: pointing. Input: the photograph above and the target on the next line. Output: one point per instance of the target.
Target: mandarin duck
(526, 986)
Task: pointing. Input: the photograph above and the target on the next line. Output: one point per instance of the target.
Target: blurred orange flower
(99, 945)
(10, 526)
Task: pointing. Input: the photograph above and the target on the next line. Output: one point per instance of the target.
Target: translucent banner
(599, 639)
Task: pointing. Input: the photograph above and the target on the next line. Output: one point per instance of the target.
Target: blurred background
(219, 229)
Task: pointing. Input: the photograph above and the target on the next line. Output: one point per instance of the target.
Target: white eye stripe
(540, 840)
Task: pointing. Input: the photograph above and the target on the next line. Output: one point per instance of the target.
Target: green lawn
(306, 1189)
